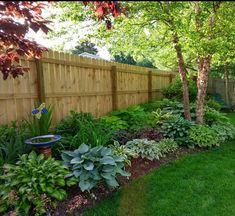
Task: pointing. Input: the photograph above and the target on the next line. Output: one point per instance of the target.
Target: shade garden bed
(96, 159)
(79, 202)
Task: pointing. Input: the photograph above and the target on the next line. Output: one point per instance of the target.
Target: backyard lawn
(197, 184)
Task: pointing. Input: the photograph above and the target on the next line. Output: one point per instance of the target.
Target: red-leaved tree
(18, 17)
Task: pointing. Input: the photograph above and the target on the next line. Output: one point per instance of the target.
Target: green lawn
(201, 184)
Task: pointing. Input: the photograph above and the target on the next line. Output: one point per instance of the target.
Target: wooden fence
(217, 85)
(71, 82)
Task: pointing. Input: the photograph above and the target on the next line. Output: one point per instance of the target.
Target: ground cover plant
(33, 184)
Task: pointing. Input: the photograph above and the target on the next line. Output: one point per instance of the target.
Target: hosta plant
(93, 165)
(203, 136)
(224, 130)
(177, 128)
(159, 116)
(145, 148)
(167, 145)
(33, 184)
(123, 151)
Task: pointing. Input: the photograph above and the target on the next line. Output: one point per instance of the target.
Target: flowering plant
(40, 122)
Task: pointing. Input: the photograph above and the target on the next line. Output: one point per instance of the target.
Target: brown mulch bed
(78, 202)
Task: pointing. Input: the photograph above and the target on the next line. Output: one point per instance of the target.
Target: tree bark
(202, 81)
(183, 75)
(226, 77)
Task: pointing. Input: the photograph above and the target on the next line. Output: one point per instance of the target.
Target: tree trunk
(183, 75)
(226, 83)
(202, 81)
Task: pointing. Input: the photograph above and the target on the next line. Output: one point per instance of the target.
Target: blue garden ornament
(37, 112)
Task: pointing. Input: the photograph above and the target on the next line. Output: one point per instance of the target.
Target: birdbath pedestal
(43, 143)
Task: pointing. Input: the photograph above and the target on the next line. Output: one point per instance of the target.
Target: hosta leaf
(118, 158)
(84, 176)
(84, 185)
(59, 194)
(108, 168)
(76, 160)
(83, 148)
(112, 182)
(68, 175)
(88, 166)
(71, 181)
(60, 182)
(106, 175)
(77, 173)
(107, 160)
(106, 151)
(70, 153)
(123, 173)
(66, 158)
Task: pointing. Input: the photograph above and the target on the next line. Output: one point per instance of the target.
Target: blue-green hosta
(93, 165)
(33, 184)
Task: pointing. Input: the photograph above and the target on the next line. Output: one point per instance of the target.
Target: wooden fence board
(71, 82)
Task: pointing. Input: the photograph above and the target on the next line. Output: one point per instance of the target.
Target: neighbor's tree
(85, 47)
(18, 17)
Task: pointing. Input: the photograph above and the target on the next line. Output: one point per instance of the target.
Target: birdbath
(43, 143)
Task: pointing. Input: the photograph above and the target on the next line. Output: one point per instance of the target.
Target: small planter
(43, 143)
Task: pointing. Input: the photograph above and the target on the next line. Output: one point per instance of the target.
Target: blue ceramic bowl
(33, 142)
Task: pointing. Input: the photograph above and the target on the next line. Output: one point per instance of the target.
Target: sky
(68, 40)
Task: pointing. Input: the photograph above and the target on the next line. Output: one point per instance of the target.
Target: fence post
(114, 87)
(40, 81)
(171, 78)
(150, 90)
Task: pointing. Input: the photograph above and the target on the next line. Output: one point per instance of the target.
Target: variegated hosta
(93, 165)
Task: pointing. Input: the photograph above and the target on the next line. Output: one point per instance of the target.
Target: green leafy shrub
(12, 144)
(33, 184)
(203, 136)
(40, 122)
(80, 128)
(213, 116)
(174, 90)
(93, 165)
(114, 122)
(213, 104)
(145, 148)
(159, 116)
(167, 145)
(224, 130)
(151, 106)
(135, 116)
(93, 133)
(123, 151)
(177, 128)
(71, 124)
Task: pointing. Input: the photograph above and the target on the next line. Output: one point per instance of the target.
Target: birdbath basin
(43, 143)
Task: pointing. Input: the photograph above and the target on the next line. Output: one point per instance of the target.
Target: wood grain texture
(71, 82)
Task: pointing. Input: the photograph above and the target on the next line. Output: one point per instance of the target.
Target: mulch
(79, 202)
